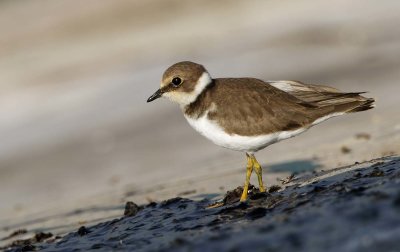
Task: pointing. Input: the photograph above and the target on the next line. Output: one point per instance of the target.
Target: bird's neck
(201, 104)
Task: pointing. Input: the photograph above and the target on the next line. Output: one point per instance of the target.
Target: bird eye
(176, 81)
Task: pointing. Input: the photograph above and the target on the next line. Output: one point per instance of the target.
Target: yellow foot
(252, 163)
(258, 170)
(244, 195)
(249, 170)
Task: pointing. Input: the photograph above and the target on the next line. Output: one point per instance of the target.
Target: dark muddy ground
(354, 208)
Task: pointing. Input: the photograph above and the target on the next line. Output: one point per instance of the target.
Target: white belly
(211, 130)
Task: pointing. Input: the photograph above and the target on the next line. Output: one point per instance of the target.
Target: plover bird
(248, 114)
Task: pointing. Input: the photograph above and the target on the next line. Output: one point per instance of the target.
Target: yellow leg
(258, 170)
(249, 170)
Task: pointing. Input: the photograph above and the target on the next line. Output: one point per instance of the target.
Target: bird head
(182, 83)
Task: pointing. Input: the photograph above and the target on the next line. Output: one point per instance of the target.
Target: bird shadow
(295, 166)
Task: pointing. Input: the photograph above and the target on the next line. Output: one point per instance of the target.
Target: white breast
(211, 130)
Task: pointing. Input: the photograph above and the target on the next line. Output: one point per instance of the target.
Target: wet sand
(353, 208)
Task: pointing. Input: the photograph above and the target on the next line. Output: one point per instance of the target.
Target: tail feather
(348, 103)
(366, 105)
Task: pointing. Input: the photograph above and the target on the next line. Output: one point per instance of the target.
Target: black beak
(156, 95)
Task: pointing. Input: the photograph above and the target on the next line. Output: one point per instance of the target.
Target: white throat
(184, 99)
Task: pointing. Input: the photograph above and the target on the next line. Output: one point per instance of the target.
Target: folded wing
(324, 96)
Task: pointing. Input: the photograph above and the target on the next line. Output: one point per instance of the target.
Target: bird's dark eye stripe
(176, 81)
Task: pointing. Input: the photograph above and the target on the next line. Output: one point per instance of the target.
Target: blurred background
(78, 138)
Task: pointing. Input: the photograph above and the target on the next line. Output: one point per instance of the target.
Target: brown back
(247, 107)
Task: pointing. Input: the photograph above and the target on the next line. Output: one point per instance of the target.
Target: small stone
(364, 136)
(131, 209)
(83, 231)
(274, 188)
(345, 150)
(39, 237)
